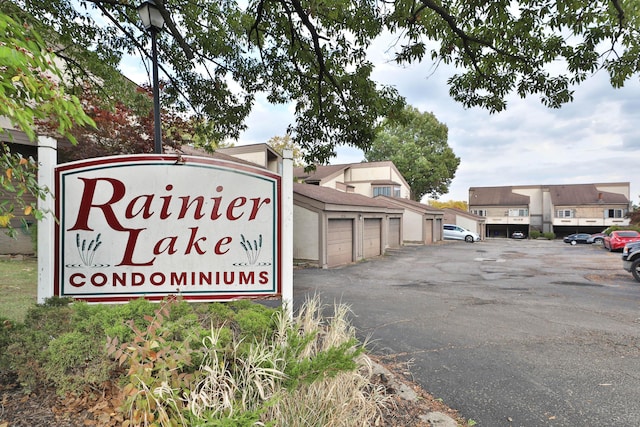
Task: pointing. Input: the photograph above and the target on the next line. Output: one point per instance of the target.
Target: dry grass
(347, 399)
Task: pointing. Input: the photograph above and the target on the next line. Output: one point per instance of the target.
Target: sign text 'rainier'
(151, 226)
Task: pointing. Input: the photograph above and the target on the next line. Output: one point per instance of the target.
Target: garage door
(394, 232)
(339, 242)
(371, 241)
(428, 231)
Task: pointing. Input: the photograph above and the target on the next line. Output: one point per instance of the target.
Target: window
(614, 213)
(564, 213)
(386, 191)
(518, 212)
(479, 212)
(381, 191)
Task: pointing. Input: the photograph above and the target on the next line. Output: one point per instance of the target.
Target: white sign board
(157, 225)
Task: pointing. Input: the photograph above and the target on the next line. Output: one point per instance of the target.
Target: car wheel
(573, 243)
(635, 269)
(468, 239)
(598, 241)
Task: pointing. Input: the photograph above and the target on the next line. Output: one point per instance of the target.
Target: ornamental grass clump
(234, 381)
(220, 364)
(330, 372)
(308, 370)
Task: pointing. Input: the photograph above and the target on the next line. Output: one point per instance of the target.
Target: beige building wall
(412, 227)
(255, 157)
(620, 188)
(370, 172)
(363, 188)
(542, 211)
(467, 223)
(361, 176)
(305, 233)
(335, 182)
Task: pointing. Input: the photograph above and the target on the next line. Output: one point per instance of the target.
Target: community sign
(157, 225)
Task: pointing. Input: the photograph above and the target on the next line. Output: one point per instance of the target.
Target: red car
(617, 239)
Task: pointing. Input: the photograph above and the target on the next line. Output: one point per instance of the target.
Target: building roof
(495, 196)
(583, 194)
(269, 152)
(384, 182)
(335, 197)
(16, 137)
(410, 203)
(321, 172)
(464, 213)
(192, 151)
(569, 194)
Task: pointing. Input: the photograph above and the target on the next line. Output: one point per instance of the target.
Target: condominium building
(562, 209)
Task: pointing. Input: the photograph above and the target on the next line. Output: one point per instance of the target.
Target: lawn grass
(18, 287)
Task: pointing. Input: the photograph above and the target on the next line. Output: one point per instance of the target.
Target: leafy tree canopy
(218, 54)
(456, 204)
(417, 144)
(281, 143)
(121, 129)
(29, 91)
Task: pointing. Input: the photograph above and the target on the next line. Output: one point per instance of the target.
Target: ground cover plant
(184, 364)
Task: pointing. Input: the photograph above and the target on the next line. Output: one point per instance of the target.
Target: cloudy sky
(595, 139)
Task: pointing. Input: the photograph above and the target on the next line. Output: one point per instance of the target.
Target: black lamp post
(153, 21)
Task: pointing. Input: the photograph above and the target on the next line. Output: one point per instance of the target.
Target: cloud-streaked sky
(594, 139)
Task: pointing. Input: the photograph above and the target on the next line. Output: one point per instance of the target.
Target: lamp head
(150, 15)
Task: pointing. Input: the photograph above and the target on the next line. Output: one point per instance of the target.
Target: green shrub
(549, 235)
(157, 367)
(617, 227)
(255, 322)
(75, 361)
(8, 330)
(109, 320)
(534, 234)
(179, 364)
(27, 351)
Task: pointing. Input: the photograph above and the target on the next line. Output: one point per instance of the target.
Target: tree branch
(466, 39)
(166, 15)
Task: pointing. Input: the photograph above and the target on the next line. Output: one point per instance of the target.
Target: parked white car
(455, 232)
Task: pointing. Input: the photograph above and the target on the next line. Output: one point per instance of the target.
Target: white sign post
(287, 232)
(47, 159)
(157, 225)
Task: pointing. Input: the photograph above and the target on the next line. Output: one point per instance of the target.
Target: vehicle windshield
(628, 233)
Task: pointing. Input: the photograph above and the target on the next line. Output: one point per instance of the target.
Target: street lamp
(153, 22)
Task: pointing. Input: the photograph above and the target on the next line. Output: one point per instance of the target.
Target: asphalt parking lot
(508, 332)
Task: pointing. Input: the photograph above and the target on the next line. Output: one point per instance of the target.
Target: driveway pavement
(508, 332)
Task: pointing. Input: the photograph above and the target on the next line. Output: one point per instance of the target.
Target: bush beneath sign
(183, 364)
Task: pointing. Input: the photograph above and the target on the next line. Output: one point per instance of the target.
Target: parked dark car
(597, 238)
(576, 238)
(517, 235)
(631, 259)
(617, 239)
